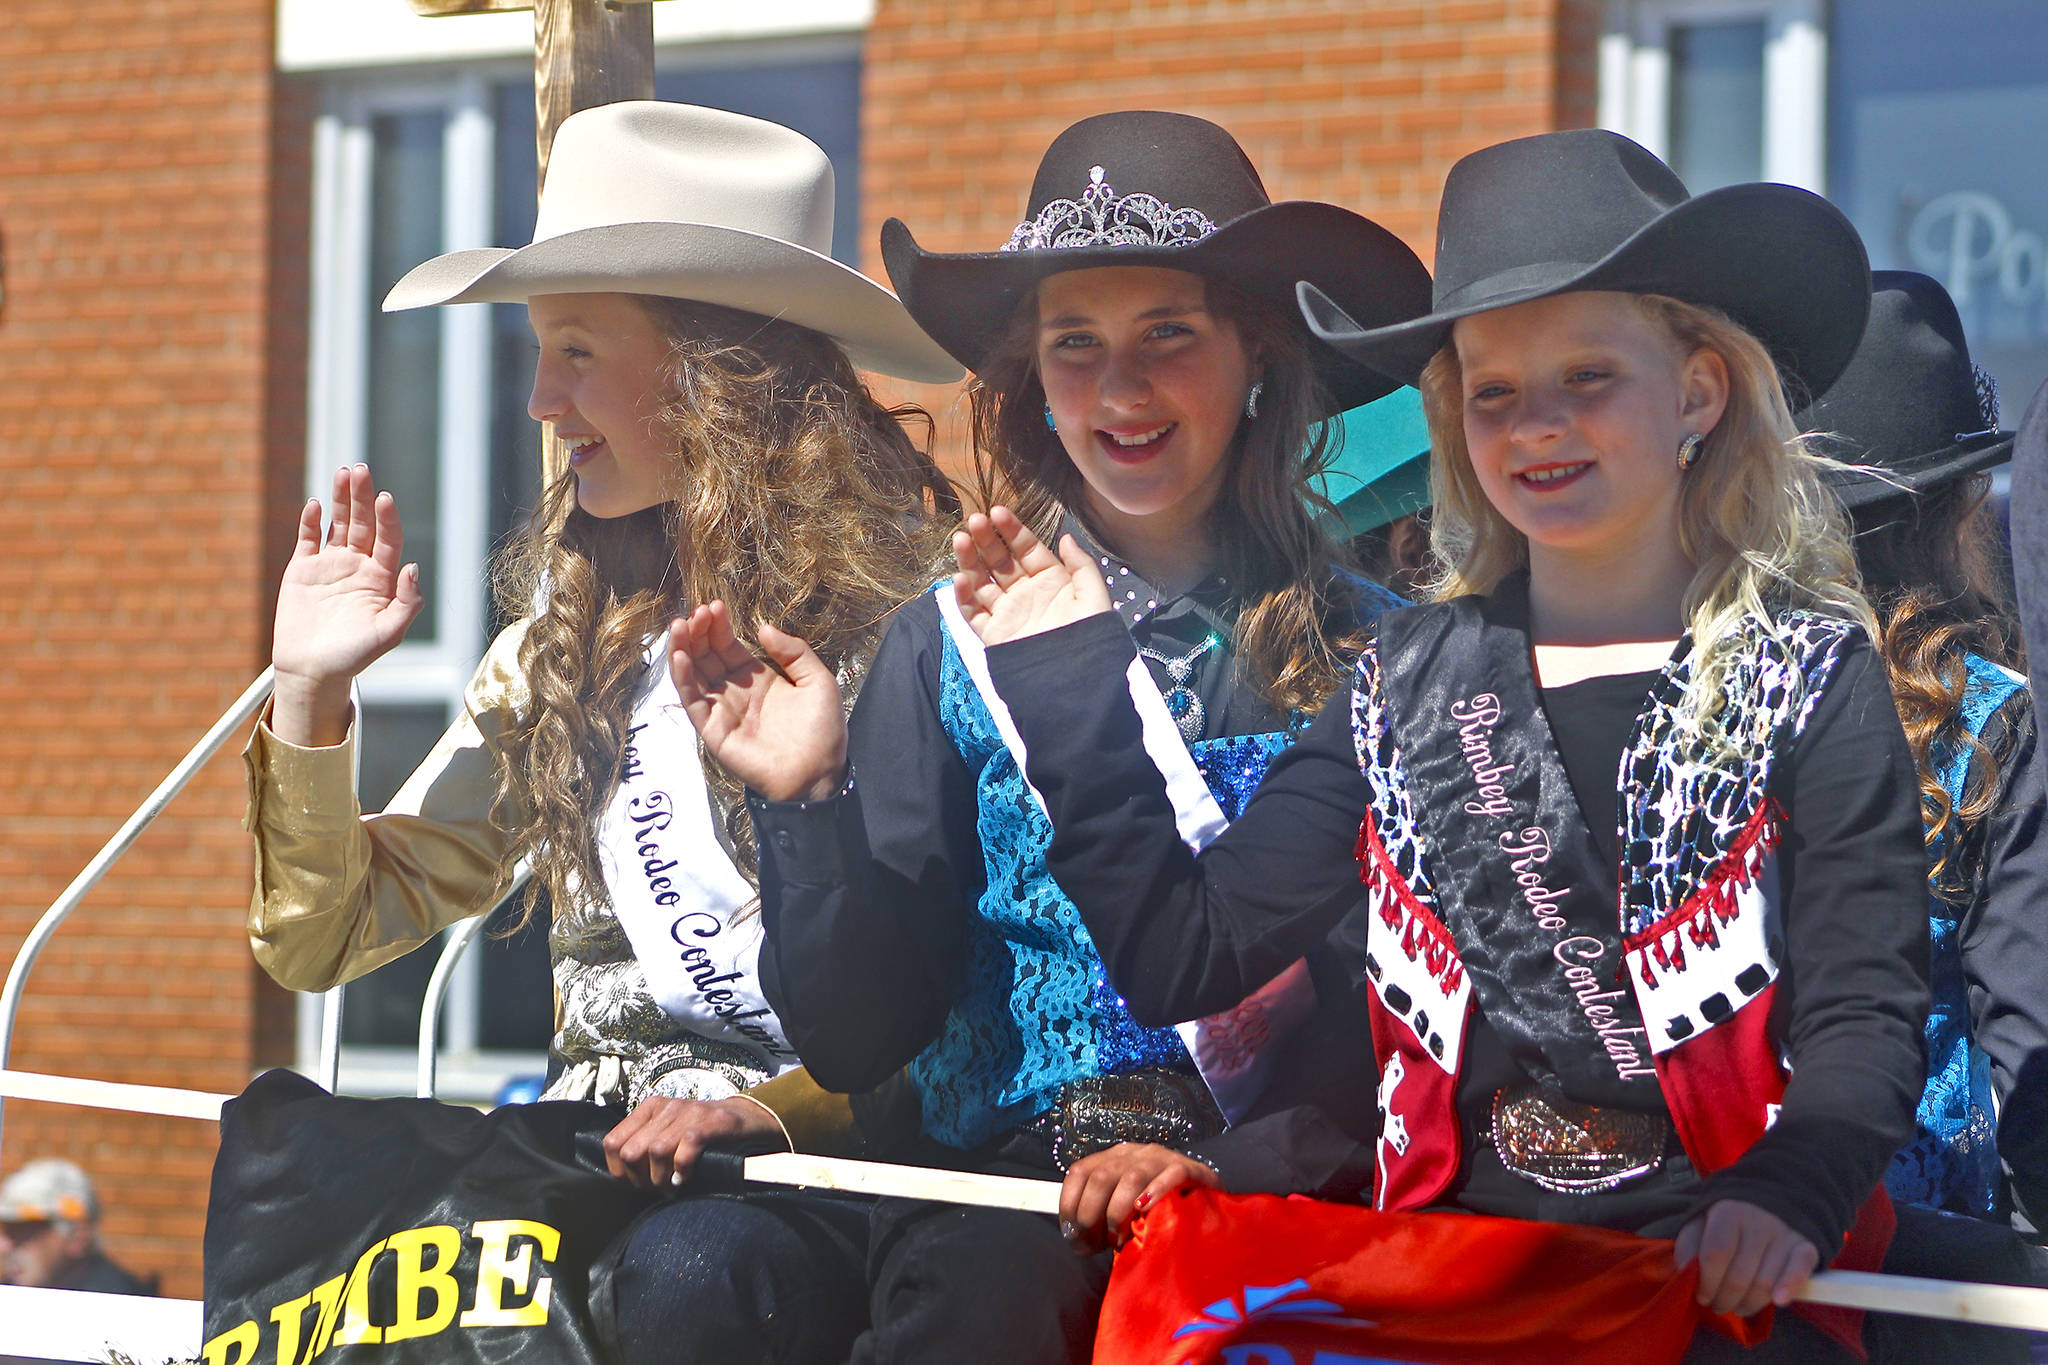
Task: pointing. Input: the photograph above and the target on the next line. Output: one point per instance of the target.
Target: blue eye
(1168, 330)
(1072, 341)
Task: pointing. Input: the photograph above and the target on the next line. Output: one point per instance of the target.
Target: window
(434, 400)
(1724, 90)
(1938, 133)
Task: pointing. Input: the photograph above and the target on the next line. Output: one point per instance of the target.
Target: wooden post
(585, 53)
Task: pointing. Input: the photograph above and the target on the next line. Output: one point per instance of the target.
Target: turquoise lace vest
(1952, 1161)
(1034, 1008)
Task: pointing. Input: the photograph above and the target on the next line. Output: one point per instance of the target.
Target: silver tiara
(1101, 218)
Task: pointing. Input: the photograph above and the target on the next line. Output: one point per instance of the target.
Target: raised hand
(778, 729)
(1010, 586)
(1103, 1191)
(344, 602)
(1748, 1256)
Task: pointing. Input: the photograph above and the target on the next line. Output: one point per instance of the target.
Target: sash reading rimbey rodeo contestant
(1144, 383)
(697, 353)
(1638, 828)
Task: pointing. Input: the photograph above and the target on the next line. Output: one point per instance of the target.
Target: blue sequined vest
(1034, 1009)
(1952, 1161)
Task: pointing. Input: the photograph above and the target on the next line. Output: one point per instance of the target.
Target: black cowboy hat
(1589, 209)
(1160, 189)
(1910, 403)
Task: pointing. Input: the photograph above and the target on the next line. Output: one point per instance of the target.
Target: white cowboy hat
(645, 197)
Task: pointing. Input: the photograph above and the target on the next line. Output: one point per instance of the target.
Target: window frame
(1635, 77)
(416, 672)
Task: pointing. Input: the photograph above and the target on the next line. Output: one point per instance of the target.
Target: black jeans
(801, 1278)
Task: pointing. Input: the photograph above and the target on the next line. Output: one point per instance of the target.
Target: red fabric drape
(1217, 1279)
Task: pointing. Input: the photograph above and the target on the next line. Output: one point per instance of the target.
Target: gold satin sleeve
(339, 893)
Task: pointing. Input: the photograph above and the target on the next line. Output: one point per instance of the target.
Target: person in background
(1922, 421)
(1378, 481)
(49, 1233)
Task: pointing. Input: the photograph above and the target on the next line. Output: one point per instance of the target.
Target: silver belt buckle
(1573, 1148)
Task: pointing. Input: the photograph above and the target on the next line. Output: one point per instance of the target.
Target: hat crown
(648, 161)
(1911, 389)
(1520, 212)
(1192, 168)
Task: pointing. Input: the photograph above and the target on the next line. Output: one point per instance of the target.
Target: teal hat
(1382, 470)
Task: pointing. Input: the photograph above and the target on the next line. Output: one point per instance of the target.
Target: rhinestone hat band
(1103, 218)
(1987, 404)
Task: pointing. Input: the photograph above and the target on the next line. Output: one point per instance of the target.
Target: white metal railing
(63, 1324)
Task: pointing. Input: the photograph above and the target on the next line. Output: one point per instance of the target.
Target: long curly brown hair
(1296, 633)
(1930, 571)
(793, 496)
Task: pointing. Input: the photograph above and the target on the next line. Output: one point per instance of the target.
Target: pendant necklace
(1181, 702)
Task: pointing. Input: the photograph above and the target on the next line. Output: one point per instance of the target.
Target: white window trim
(416, 671)
(328, 35)
(1635, 77)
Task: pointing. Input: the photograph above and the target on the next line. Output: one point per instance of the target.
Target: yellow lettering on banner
(356, 1328)
(327, 1299)
(290, 1317)
(416, 1277)
(500, 1275)
(242, 1340)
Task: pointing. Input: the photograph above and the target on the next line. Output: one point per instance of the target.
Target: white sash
(1234, 1050)
(674, 887)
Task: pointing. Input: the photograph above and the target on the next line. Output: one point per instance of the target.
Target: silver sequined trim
(1101, 217)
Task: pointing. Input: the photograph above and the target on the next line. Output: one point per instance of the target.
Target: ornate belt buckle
(1162, 1107)
(1574, 1148)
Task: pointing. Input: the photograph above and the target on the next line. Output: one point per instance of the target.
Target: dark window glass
(403, 422)
(383, 1008)
(1717, 104)
(1937, 134)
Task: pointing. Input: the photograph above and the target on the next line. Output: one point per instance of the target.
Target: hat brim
(1854, 488)
(1781, 261)
(700, 261)
(965, 299)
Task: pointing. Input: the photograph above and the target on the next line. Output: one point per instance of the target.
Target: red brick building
(201, 200)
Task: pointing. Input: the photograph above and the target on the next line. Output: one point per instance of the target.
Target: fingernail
(1068, 1230)
(1143, 1200)
(675, 1177)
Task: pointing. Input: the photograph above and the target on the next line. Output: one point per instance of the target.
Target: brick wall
(134, 211)
(1364, 103)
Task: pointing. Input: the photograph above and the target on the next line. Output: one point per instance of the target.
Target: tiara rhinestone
(1101, 217)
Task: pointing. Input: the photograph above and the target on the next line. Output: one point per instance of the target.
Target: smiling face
(1146, 388)
(1574, 407)
(599, 380)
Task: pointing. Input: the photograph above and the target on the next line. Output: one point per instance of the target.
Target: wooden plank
(437, 9)
(585, 53)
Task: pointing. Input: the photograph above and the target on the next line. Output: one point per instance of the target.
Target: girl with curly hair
(697, 354)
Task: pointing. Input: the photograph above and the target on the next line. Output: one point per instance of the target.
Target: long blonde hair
(1762, 531)
(792, 495)
(1296, 632)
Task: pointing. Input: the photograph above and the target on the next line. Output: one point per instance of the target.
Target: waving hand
(777, 726)
(344, 602)
(1010, 586)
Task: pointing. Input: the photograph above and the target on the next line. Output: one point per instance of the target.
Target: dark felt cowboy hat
(1589, 209)
(1910, 403)
(1160, 189)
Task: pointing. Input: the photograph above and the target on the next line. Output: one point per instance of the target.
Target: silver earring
(1689, 451)
(1251, 398)
(1050, 425)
